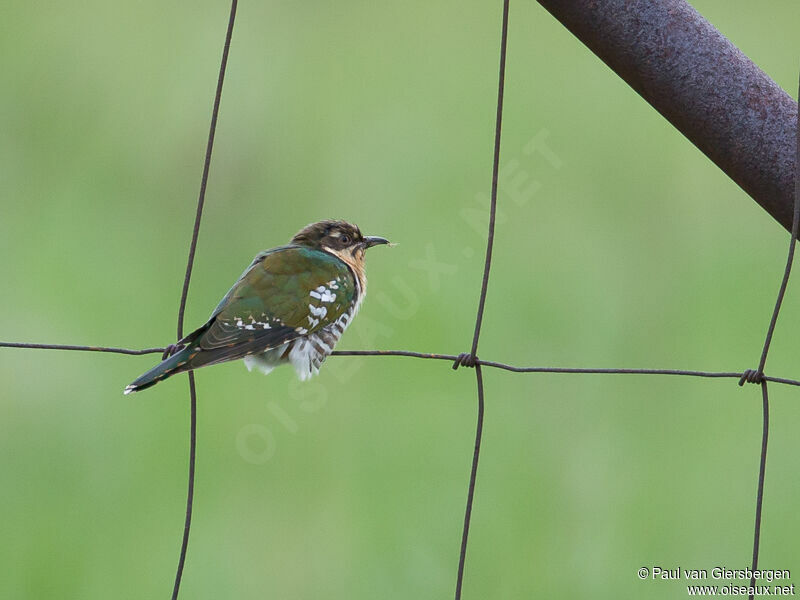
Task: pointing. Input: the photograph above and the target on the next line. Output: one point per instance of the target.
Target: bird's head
(340, 238)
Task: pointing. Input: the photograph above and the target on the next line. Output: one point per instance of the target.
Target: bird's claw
(170, 350)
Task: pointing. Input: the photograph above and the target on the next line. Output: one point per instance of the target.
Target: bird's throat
(354, 260)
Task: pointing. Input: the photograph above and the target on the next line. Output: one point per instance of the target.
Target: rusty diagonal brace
(701, 83)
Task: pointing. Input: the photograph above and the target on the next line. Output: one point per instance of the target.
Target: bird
(291, 305)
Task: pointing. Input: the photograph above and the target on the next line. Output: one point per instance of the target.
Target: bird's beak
(374, 240)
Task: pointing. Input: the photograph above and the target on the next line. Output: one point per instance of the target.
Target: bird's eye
(345, 239)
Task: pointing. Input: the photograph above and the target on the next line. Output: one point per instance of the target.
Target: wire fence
(467, 359)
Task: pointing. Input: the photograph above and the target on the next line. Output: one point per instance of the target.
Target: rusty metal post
(701, 83)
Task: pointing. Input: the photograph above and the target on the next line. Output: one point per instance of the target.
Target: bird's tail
(177, 363)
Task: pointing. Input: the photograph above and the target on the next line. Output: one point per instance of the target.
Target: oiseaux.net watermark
(723, 581)
(257, 443)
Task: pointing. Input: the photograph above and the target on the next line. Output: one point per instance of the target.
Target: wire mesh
(468, 359)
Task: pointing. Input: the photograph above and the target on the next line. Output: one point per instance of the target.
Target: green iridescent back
(287, 292)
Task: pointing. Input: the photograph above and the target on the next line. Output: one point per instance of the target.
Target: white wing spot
(254, 324)
(323, 294)
(318, 311)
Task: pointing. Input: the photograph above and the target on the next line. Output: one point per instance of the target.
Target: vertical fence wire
(471, 359)
(762, 468)
(184, 293)
(758, 376)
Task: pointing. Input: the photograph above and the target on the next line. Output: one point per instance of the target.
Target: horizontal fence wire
(82, 348)
(469, 359)
(451, 358)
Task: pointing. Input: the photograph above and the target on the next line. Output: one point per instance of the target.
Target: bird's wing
(286, 293)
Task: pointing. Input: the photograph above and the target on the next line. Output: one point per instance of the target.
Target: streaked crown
(336, 237)
(331, 235)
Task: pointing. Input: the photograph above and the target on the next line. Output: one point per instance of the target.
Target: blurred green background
(622, 246)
